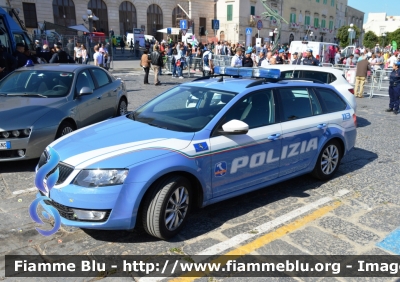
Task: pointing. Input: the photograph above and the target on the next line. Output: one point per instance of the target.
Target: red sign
(184, 32)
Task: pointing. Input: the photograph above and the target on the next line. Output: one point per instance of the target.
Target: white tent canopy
(174, 30)
(79, 27)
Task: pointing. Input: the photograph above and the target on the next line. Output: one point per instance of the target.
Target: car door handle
(322, 125)
(274, 136)
(99, 97)
(116, 89)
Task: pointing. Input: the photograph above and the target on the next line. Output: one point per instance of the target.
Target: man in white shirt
(266, 62)
(337, 57)
(218, 49)
(392, 60)
(237, 59)
(98, 57)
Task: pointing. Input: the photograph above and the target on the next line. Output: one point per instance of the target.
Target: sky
(390, 7)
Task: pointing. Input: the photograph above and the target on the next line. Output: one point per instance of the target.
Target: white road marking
(263, 228)
(25, 191)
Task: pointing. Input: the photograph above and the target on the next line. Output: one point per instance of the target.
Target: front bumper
(120, 202)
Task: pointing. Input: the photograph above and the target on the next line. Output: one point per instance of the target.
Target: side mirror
(85, 91)
(234, 127)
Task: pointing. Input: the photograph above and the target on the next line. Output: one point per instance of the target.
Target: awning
(174, 30)
(79, 27)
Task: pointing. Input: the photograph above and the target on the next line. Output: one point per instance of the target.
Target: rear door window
(101, 77)
(330, 101)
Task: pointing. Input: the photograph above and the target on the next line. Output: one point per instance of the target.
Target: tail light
(351, 90)
(355, 120)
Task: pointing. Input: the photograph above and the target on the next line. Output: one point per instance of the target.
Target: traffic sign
(259, 25)
(183, 24)
(184, 32)
(249, 31)
(169, 30)
(215, 24)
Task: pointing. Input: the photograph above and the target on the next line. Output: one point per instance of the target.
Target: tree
(394, 36)
(370, 39)
(343, 35)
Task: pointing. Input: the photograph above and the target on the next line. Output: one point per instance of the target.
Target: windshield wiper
(29, 95)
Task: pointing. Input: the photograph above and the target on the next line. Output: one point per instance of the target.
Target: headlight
(98, 177)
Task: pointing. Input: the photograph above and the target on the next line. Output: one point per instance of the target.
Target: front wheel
(122, 107)
(166, 208)
(65, 128)
(328, 161)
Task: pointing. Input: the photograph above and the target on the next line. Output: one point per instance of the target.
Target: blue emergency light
(248, 72)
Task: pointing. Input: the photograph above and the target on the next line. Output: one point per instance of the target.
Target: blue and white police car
(154, 164)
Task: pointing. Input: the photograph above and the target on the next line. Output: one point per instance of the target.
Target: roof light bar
(248, 72)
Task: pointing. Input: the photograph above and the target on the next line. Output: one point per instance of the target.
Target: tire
(328, 161)
(159, 222)
(65, 128)
(122, 107)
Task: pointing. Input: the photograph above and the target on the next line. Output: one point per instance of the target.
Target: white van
(149, 37)
(349, 50)
(320, 49)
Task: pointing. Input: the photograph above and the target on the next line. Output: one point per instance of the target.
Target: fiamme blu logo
(45, 185)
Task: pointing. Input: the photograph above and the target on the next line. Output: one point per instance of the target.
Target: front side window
(84, 80)
(37, 84)
(294, 103)
(183, 108)
(256, 109)
(318, 75)
(330, 101)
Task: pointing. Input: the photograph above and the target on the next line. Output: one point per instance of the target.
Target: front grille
(8, 154)
(64, 169)
(68, 213)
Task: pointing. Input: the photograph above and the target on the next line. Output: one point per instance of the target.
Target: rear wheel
(166, 208)
(122, 107)
(65, 128)
(328, 161)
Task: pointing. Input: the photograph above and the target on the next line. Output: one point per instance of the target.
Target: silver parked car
(44, 102)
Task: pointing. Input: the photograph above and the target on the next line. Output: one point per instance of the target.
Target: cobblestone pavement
(361, 218)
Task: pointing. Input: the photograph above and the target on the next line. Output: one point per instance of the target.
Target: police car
(153, 165)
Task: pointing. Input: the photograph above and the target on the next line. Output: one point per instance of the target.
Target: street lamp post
(351, 31)
(383, 39)
(90, 17)
(312, 36)
(275, 33)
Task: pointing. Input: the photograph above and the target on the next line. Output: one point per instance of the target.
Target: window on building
(99, 9)
(229, 13)
(293, 17)
(323, 23)
(127, 17)
(30, 14)
(64, 12)
(252, 10)
(203, 23)
(307, 20)
(317, 1)
(330, 25)
(333, 3)
(316, 22)
(325, 1)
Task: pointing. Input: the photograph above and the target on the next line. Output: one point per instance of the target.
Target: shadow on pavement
(362, 122)
(214, 216)
(19, 166)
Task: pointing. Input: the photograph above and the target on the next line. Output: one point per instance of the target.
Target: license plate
(5, 145)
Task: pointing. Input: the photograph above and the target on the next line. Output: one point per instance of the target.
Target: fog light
(15, 133)
(89, 215)
(21, 153)
(6, 134)
(27, 131)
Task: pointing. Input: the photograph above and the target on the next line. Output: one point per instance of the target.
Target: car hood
(115, 137)
(21, 112)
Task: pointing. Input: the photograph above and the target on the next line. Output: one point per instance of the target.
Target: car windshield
(37, 83)
(183, 108)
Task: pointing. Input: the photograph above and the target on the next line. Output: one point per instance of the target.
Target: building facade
(119, 15)
(356, 17)
(380, 23)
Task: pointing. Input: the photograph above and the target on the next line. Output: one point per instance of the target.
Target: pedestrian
(122, 45)
(337, 57)
(361, 74)
(114, 44)
(394, 89)
(198, 60)
(296, 60)
(78, 54)
(98, 57)
(261, 58)
(310, 59)
(237, 59)
(266, 62)
(38, 48)
(280, 59)
(60, 56)
(45, 54)
(85, 55)
(349, 61)
(272, 61)
(157, 62)
(145, 64)
(70, 47)
(247, 60)
(207, 60)
(20, 55)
